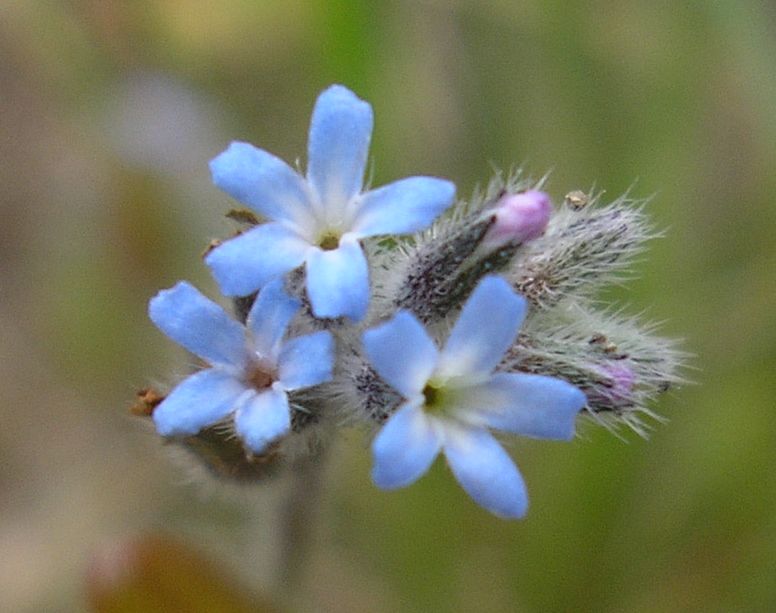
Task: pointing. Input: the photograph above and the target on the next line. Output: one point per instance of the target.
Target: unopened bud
(614, 391)
(519, 218)
(621, 382)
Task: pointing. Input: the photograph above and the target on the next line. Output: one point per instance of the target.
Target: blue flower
(252, 367)
(453, 397)
(318, 220)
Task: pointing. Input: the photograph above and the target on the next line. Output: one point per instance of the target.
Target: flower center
(261, 376)
(329, 240)
(434, 396)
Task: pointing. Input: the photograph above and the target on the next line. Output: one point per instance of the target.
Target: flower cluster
(337, 326)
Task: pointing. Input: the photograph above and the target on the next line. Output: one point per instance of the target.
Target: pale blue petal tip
(262, 181)
(340, 131)
(221, 165)
(532, 405)
(197, 323)
(198, 401)
(487, 473)
(408, 205)
(264, 419)
(337, 91)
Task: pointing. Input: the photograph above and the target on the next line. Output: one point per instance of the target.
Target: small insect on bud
(576, 200)
(519, 218)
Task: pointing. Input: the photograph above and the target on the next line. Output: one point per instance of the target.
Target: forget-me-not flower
(252, 366)
(318, 219)
(453, 397)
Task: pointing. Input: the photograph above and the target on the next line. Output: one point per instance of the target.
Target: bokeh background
(109, 113)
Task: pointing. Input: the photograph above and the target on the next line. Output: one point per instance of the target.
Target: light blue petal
(249, 261)
(198, 324)
(486, 472)
(405, 206)
(306, 360)
(486, 328)
(531, 405)
(265, 183)
(338, 281)
(269, 317)
(402, 353)
(340, 131)
(405, 448)
(263, 419)
(200, 400)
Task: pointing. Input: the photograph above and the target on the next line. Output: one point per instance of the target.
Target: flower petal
(338, 281)
(269, 317)
(404, 448)
(486, 328)
(340, 131)
(306, 360)
(198, 401)
(263, 419)
(531, 405)
(198, 324)
(264, 182)
(246, 262)
(405, 206)
(486, 472)
(402, 353)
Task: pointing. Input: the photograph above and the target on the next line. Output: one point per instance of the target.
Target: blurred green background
(109, 113)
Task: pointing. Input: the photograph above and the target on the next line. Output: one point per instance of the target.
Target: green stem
(298, 518)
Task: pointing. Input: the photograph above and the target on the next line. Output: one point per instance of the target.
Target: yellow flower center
(329, 240)
(435, 396)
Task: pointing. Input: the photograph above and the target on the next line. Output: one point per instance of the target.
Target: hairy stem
(298, 521)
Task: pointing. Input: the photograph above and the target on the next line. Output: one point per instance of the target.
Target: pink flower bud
(519, 218)
(622, 381)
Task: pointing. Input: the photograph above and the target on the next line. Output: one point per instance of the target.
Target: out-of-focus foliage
(158, 575)
(109, 114)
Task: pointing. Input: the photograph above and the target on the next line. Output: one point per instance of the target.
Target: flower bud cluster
(618, 361)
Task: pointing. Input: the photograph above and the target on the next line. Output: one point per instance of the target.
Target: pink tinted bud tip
(520, 217)
(622, 381)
